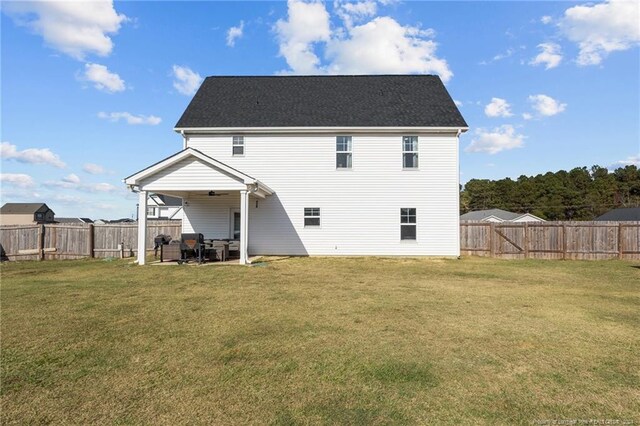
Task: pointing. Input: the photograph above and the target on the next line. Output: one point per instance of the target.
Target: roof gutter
(319, 130)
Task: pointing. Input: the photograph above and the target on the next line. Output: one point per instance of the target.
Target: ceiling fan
(217, 194)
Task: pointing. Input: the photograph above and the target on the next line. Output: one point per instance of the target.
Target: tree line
(579, 194)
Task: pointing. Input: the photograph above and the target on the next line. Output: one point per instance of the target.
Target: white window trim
(234, 144)
(305, 216)
(415, 241)
(344, 152)
(417, 151)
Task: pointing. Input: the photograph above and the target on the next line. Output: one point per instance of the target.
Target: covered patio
(211, 191)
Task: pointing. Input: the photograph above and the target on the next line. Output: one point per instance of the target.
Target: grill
(160, 241)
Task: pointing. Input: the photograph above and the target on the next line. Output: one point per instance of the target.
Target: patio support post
(244, 221)
(142, 227)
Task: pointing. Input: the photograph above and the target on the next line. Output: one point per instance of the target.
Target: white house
(316, 165)
(162, 206)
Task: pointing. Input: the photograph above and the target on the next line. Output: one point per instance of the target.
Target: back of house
(318, 165)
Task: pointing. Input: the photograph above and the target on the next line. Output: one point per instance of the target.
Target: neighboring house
(164, 207)
(25, 214)
(622, 214)
(74, 220)
(316, 165)
(498, 215)
(106, 222)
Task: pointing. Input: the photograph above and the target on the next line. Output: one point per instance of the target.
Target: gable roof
(322, 101)
(483, 214)
(621, 214)
(181, 155)
(24, 208)
(260, 190)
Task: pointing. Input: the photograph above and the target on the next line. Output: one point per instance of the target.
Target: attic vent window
(238, 146)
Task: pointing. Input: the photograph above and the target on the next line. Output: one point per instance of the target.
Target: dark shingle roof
(24, 208)
(322, 101)
(621, 214)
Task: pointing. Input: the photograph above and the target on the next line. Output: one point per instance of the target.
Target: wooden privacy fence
(65, 241)
(539, 240)
(551, 240)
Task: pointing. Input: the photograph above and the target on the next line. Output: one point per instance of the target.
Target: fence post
(564, 241)
(492, 230)
(91, 241)
(526, 240)
(41, 242)
(620, 241)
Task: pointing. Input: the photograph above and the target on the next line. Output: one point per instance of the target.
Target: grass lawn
(321, 341)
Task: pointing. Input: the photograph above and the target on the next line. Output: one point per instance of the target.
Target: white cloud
(458, 103)
(379, 46)
(60, 184)
(234, 33)
(186, 81)
(498, 108)
(151, 120)
(307, 23)
(546, 19)
(93, 169)
(67, 199)
(17, 179)
(602, 28)
(8, 151)
(527, 116)
(354, 12)
(100, 187)
(545, 105)
(633, 160)
(102, 78)
(550, 55)
(493, 141)
(384, 46)
(72, 178)
(76, 28)
(70, 182)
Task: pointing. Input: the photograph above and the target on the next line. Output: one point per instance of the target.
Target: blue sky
(91, 90)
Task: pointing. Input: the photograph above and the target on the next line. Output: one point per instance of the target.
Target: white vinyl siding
(359, 209)
(211, 216)
(191, 173)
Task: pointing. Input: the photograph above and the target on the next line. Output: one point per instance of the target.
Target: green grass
(320, 341)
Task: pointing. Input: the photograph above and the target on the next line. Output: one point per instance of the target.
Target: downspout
(184, 140)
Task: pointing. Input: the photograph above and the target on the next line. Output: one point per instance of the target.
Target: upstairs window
(151, 211)
(39, 216)
(408, 224)
(238, 145)
(409, 152)
(311, 216)
(343, 152)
